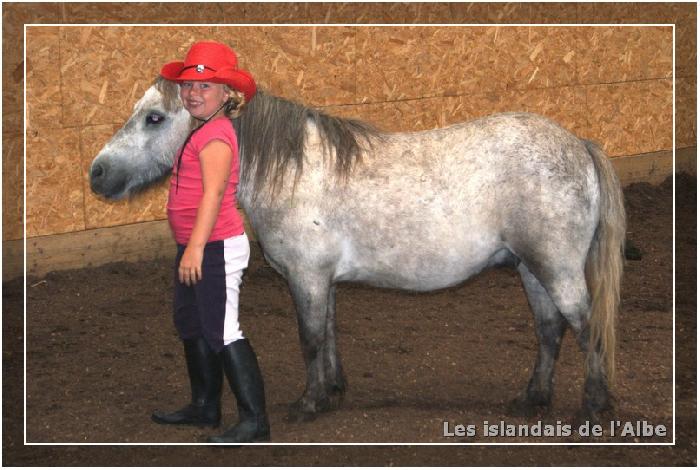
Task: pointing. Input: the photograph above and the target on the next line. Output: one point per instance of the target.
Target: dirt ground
(102, 354)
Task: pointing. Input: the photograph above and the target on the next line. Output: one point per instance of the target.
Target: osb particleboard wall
(611, 84)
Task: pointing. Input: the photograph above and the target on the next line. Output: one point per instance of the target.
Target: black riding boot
(244, 377)
(204, 369)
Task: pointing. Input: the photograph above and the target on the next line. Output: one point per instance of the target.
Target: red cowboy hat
(209, 61)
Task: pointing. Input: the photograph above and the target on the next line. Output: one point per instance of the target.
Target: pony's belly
(422, 275)
(396, 281)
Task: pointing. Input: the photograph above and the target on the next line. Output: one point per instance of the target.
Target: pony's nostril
(97, 171)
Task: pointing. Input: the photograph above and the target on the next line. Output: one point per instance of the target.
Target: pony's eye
(154, 118)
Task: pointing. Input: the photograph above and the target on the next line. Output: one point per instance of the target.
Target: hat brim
(172, 70)
(237, 79)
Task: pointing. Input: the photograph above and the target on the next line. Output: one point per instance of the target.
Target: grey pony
(334, 200)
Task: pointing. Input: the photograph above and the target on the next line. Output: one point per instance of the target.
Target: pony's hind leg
(550, 326)
(596, 395)
(569, 292)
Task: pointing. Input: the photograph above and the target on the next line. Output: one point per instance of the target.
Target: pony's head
(142, 151)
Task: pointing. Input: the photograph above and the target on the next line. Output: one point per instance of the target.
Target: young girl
(213, 249)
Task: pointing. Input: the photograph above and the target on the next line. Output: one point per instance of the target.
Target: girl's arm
(215, 161)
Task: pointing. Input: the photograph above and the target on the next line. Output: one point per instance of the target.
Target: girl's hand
(190, 269)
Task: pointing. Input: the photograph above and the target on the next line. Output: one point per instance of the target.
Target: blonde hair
(236, 103)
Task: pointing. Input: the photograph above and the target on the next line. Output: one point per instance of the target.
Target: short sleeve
(220, 129)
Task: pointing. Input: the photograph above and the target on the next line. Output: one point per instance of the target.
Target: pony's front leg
(310, 296)
(335, 379)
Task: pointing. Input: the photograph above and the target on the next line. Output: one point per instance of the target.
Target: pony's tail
(605, 262)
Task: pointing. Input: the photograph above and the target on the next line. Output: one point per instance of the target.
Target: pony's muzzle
(105, 181)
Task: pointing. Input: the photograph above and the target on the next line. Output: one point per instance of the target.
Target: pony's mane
(272, 134)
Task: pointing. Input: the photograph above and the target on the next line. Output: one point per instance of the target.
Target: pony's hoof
(599, 416)
(525, 409)
(300, 412)
(586, 416)
(522, 406)
(596, 411)
(335, 399)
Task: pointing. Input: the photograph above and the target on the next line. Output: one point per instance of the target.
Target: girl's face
(202, 99)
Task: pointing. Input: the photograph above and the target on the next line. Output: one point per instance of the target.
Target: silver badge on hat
(200, 68)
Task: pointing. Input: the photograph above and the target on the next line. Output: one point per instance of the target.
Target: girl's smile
(202, 99)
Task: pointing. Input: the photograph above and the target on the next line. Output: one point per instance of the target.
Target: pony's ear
(171, 93)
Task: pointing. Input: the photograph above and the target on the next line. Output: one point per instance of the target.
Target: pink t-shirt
(183, 205)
